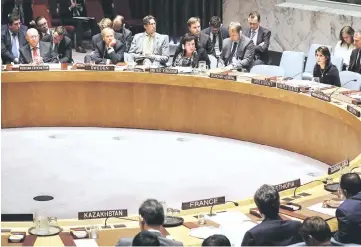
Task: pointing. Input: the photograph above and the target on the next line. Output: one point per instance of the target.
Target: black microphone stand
(211, 213)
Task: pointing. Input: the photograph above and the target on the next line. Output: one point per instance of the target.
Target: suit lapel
(141, 42)
(8, 39)
(156, 39)
(259, 35)
(27, 54)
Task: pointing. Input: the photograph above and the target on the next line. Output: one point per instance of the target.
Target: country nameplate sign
(353, 111)
(289, 87)
(267, 83)
(288, 185)
(163, 71)
(33, 67)
(204, 203)
(339, 166)
(100, 67)
(321, 96)
(102, 214)
(223, 77)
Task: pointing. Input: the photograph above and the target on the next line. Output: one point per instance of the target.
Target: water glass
(94, 231)
(202, 66)
(201, 219)
(165, 209)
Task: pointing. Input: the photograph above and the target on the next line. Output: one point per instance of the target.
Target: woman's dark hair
(189, 37)
(324, 51)
(349, 30)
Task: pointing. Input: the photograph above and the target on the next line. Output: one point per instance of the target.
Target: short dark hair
(254, 14)
(14, 16)
(188, 37)
(317, 228)
(152, 212)
(145, 238)
(324, 51)
(60, 30)
(146, 20)
(351, 182)
(267, 200)
(348, 30)
(37, 19)
(121, 18)
(215, 22)
(216, 240)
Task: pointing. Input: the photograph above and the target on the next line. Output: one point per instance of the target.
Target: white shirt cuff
(110, 50)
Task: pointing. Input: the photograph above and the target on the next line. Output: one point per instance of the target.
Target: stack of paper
(318, 208)
(85, 243)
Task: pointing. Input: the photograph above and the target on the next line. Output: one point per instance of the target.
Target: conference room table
(197, 104)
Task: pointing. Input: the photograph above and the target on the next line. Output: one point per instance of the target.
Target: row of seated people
(273, 230)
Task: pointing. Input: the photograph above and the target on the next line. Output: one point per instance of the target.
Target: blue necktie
(14, 48)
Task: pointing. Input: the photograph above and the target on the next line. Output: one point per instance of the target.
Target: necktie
(253, 33)
(229, 60)
(357, 68)
(56, 47)
(14, 47)
(214, 38)
(35, 52)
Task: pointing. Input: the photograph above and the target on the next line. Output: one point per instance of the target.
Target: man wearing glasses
(12, 39)
(35, 52)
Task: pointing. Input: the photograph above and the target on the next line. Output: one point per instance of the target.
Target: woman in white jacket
(345, 45)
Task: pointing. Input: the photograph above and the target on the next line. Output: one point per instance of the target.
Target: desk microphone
(355, 168)
(210, 212)
(342, 86)
(122, 218)
(294, 192)
(293, 77)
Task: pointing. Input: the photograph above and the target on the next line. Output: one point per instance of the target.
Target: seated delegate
(190, 55)
(324, 69)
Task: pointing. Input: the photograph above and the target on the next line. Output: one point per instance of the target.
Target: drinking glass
(201, 219)
(94, 231)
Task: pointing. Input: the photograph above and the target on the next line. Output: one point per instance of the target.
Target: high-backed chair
(268, 70)
(311, 61)
(347, 76)
(293, 64)
(121, 7)
(338, 62)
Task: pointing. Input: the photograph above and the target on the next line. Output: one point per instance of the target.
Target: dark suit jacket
(101, 55)
(64, 11)
(6, 47)
(222, 34)
(163, 241)
(273, 232)
(98, 38)
(353, 61)
(264, 36)
(127, 37)
(45, 53)
(348, 216)
(8, 6)
(64, 50)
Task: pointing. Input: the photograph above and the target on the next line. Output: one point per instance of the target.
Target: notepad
(318, 208)
(85, 243)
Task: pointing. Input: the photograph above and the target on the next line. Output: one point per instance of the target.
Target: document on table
(318, 208)
(85, 243)
(204, 232)
(226, 218)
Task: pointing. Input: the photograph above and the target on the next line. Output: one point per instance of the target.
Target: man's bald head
(118, 22)
(32, 36)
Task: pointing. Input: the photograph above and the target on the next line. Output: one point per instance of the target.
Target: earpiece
(182, 46)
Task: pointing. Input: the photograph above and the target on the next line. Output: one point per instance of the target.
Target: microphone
(294, 192)
(342, 86)
(122, 218)
(210, 212)
(292, 77)
(355, 168)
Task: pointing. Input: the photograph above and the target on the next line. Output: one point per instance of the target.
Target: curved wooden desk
(243, 111)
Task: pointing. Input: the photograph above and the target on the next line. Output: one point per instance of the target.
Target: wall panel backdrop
(172, 15)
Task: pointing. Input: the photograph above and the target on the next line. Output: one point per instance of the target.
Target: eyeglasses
(34, 36)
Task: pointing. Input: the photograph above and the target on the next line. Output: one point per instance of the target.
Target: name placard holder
(321, 96)
(353, 111)
(102, 214)
(223, 77)
(289, 87)
(163, 71)
(263, 82)
(100, 67)
(204, 203)
(288, 185)
(33, 67)
(336, 167)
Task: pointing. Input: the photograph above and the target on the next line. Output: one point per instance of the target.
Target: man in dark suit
(109, 49)
(273, 231)
(35, 52)
(348, 214)
(20, 7)
(217, 33)
(238, 50)
(12, 39)
(151, 219)
(204, 41)
(146, 238)
(356, 54)
(261, 38)
(41, 25)
(60, 44)
(119, 27)
(104, 23)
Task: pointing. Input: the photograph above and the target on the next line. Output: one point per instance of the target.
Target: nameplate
(204, 203)
(223, 77)
(163, 71)
(289, 87)
(288, 185)
(353, 111)
(100, 67)
(335, 168)
(263, 82)
(33, 67)
(321, 96)
(102, 214)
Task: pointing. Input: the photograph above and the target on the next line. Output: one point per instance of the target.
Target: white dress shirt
(37, 51)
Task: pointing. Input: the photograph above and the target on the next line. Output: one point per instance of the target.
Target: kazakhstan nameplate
(102, 214)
